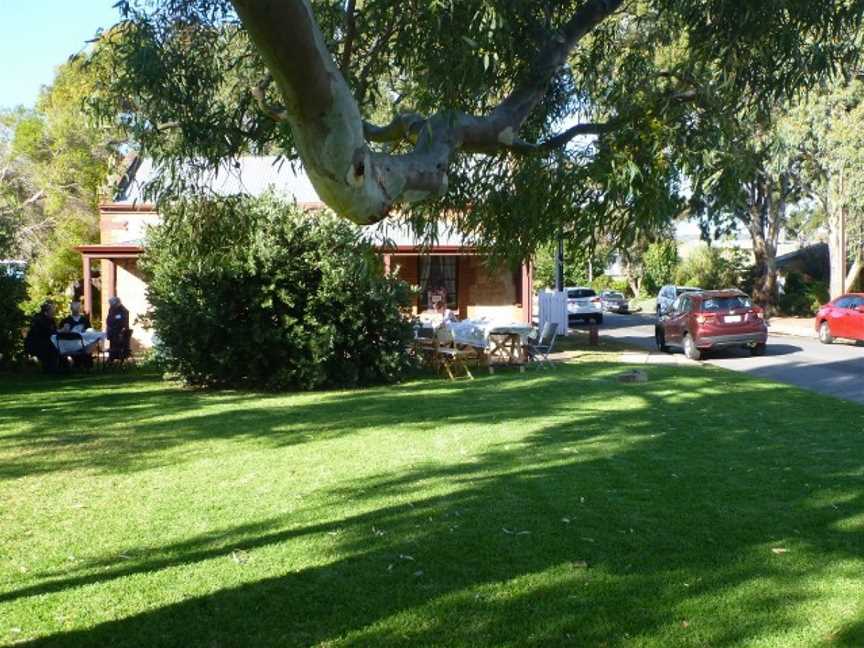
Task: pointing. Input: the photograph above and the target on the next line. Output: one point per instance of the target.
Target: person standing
(38, 342)
(117, 323)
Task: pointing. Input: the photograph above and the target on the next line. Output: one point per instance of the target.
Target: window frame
(441, 259)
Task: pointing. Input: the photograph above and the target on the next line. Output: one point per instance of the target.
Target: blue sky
(38, 35)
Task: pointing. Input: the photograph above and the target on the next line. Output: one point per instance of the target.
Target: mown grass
(702, 508)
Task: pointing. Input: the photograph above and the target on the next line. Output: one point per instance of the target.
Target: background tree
(660, 262)
(828, 130)
(487, 98)
(583, 263)
(55, 163)
(746, 182)
(707, 267)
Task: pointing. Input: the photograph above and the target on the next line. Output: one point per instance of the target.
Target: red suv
(712, 319)
(843, 317)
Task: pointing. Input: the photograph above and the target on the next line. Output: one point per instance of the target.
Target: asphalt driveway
(836, 369)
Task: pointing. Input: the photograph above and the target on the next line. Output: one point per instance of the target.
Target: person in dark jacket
(76, 321)
(117, 324)
(38, 341)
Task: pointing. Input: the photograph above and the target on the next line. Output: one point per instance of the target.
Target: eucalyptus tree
(520, 118)
(828, 131)
(748, 180)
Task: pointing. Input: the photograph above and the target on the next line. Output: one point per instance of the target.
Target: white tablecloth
(90, 337)
(476, 332)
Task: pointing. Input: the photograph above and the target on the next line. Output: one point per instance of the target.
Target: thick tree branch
(403, 127)
(514, 110)
(331, 136)
(563, 138)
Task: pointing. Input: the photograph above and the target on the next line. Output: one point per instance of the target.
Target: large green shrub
(254, 292)
(12, 295)
(802, 298)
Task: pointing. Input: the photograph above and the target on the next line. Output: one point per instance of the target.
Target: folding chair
(449, 358)
(538, 349)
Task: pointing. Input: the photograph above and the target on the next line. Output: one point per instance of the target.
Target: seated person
(76, 321)
(38, 341)
(444, 313)
(117, 323)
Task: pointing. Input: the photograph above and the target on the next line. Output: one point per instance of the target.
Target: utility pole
(837, 240)
(559, 265)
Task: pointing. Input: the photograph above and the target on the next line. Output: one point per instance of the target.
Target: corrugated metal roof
(251, 175)
(255, 175)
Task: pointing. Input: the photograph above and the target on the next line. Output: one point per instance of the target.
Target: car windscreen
(613, 295)
(580, 293)
(715, 304)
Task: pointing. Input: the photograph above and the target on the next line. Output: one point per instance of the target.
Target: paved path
(836, 369)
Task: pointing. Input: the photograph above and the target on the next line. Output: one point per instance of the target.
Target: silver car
(613, 301)
(583, 304)
(669, 294)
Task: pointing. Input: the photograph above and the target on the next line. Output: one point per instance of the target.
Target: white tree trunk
(331, 136)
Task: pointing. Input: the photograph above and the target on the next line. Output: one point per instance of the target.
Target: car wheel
(658, 312)
(825, 336)
(660, 340)
(758, 349)
(690, 349)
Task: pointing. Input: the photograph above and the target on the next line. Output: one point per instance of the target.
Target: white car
(583, 303)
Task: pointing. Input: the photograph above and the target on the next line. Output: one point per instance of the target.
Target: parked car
(843, 317)
(583, 304)
(668, 294)
(614, 302)
(712, 319)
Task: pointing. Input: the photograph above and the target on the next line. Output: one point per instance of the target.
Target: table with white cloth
(502, 343)
(91, 338)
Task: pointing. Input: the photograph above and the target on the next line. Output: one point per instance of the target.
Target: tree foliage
(55, 163)
(583, 262)
(828, 130)
(12, 294)
(707, 267)
(253, 292)
(486, 99)
(660, 262)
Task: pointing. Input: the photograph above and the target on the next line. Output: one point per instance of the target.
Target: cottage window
(438, 277)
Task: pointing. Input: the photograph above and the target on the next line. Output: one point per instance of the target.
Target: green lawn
(551, 508)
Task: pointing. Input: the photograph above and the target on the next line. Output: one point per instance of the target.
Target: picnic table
(500, 343)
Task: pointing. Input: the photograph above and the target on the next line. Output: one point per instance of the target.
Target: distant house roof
(250, 175)
(817, 249)
(813, 260)
(253, 176)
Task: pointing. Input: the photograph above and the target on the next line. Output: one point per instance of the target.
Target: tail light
(701, 318)
(596, 300)
(758, 313)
